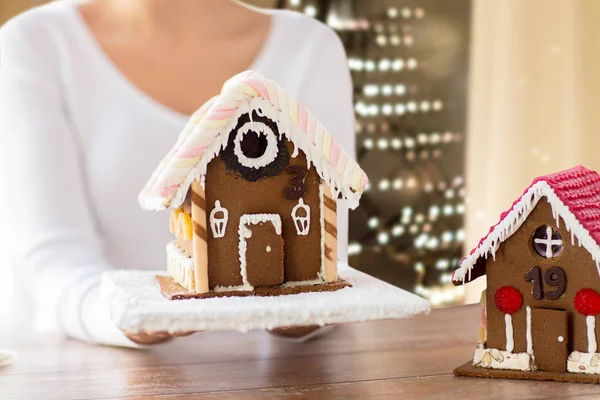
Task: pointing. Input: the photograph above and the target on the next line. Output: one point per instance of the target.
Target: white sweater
(71, 163)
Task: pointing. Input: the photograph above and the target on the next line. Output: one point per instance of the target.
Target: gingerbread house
(252, 183)
(543, 285)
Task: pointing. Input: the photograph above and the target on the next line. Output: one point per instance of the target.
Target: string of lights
(409, 227)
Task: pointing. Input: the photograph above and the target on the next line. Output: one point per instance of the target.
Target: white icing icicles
(510, 345)
(218, 224)
(515, 217)
(590, 321)
(528, 332)
(301, 218)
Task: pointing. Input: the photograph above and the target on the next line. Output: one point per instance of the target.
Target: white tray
(136, 304)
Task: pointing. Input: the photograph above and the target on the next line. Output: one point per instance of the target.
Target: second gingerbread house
(542, 262)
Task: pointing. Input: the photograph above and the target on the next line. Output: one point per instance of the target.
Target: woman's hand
(148, 338)
(301, 333)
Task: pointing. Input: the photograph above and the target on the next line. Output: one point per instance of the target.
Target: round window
(547, 242)
(255, 148)
(255, 145)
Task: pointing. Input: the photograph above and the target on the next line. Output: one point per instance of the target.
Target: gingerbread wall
(515, 258)
(302, 259)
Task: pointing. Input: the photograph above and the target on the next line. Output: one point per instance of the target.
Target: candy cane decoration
(587, 302)
(509, 301)
(328, 232)
(199, 237)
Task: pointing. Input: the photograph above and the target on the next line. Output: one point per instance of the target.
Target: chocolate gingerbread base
(174, 291)
(468, 369)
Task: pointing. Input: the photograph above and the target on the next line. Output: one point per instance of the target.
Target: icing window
(255, 149)
(547, 242)
(253, 144)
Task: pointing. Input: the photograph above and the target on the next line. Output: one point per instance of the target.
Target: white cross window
(547, 242)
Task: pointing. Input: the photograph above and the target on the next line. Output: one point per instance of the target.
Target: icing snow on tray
(136, 304)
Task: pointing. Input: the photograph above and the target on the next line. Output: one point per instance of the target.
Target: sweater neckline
(135, 91)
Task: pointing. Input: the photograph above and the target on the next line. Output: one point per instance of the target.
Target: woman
(93, 94)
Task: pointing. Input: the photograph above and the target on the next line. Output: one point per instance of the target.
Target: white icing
(295, 151)
(561, 339)
(583, 363)
(500, 359)
(218, 141)
(268, 249)
(271, 151)
(510, 345)
(255, 219)
(528, 332)
(180, 266)
(549, 242)
(246, 233)
(309, 282)
(515, 218)
(218, 225)
(590, 321)
(302, 223)
(367, 299)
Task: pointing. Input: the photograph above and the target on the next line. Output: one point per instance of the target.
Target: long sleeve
(47, 221)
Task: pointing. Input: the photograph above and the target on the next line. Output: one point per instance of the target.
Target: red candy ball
(508, 299)
(587, 302)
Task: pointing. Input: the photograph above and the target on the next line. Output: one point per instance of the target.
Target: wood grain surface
(411, 358)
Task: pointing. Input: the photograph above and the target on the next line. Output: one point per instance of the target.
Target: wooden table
(395, 359)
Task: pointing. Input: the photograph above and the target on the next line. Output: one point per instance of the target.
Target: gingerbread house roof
(207, 132)
(574, 195)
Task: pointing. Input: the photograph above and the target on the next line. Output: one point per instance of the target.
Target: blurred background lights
(409, 144)
(373, 222)
(383, 238)
(392, 12)
(397, 184)
(400, 90)
(382, 143)
(397, 230)
(384, 184)
(310, 10)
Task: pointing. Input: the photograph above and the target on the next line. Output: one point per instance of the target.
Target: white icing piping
(302, 224)
(287, 128)
(510, 345)
(590, 321)
(528, 332)
(515, 218)
(245, 233)
(270, 153)
(309, 282)
(218, 226)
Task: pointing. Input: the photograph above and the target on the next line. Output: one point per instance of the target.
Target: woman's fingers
(295, 331)
(147, 338)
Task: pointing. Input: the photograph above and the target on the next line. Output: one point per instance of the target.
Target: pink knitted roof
(574, 195)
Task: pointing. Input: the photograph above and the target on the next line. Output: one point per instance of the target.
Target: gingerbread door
(549, 333)
(263, 251)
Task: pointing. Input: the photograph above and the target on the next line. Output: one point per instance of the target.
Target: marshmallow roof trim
(207, 132)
